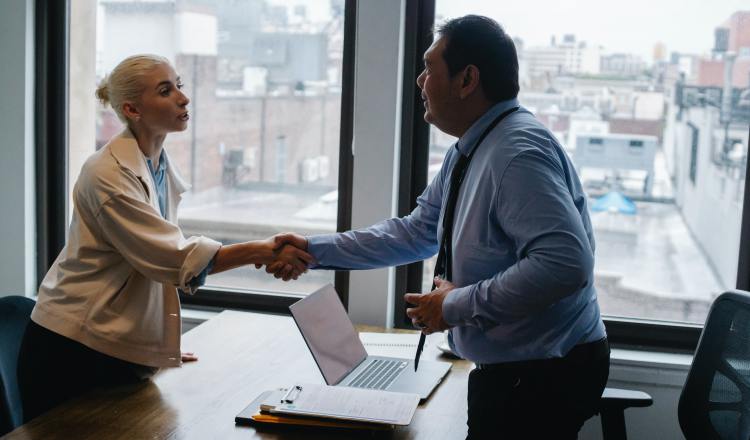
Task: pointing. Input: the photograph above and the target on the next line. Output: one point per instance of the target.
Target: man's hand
(428, 313)
(290, 251)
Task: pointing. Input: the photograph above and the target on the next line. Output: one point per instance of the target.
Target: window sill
(630, 365)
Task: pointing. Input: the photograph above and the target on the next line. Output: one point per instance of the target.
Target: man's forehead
(434, 50)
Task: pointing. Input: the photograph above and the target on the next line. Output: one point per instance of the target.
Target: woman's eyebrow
(168, 82)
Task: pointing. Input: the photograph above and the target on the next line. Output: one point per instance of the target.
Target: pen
(420, 346)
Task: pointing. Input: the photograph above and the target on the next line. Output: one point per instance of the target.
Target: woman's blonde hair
(125, 83)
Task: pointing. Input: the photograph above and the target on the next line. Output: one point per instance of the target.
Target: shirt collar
(162, 163)
(467, 142)
(124, 148)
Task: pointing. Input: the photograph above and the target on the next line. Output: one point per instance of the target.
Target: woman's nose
(183, 99)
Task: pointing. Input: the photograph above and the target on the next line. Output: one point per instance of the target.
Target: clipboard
(252, 415)
(338, 404)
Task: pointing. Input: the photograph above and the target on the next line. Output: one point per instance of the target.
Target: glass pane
(654, 111)
(261, 148)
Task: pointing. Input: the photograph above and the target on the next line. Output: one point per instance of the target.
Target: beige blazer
(113, 286)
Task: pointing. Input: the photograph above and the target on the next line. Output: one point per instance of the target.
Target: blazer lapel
(176, 186)
(125, 150)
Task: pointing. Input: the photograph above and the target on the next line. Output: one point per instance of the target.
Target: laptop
(342, 358)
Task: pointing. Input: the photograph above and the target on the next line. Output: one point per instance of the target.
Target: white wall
(714, 202)
(377, 104)
(17, 234)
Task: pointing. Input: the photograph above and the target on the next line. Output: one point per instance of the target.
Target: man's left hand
(428, 313)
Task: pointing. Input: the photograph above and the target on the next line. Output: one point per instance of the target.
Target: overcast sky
(620, 26)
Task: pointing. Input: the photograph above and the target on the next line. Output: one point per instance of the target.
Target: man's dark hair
(481, 41)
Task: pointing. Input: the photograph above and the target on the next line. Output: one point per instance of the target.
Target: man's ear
(130, 111)
(469, 80)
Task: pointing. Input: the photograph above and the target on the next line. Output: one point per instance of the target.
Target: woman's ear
(131, 112)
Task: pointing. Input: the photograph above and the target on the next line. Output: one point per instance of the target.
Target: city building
(567, 57)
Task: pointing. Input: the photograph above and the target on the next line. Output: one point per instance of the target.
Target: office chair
(15, 312)
(715, 401)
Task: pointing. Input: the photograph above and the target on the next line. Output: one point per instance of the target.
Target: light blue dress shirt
(159, 174)
(523, 245)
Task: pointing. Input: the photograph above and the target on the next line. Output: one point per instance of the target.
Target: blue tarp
(614, 202)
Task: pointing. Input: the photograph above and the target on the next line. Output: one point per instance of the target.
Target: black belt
(581, 352)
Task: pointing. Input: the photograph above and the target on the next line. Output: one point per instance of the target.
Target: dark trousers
(544, 399)
(53, 369)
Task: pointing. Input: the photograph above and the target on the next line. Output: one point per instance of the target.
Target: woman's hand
(290, 248)
(286, 266)
(263, 252)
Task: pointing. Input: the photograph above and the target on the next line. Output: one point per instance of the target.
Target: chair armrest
(614, 398)
(614, 401)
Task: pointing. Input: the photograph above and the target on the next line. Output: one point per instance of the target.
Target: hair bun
(102, 91)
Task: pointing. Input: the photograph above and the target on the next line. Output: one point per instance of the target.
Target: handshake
(286, 256)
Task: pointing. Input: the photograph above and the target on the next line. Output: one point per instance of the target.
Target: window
(693, 170)
(639, 101)
(261, 151)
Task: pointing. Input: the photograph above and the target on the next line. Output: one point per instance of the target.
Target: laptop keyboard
(378, 374)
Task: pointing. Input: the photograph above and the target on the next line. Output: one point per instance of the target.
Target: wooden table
(241, 354)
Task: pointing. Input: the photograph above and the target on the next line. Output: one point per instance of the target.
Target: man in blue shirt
(517, 295)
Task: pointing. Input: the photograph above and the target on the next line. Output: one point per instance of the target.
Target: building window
(693, 169)
(613, 110)
(265, 81)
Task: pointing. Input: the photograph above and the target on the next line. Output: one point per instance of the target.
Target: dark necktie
(444, 263)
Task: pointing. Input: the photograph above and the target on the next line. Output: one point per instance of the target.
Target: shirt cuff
(456, 306)
(200, 279)
(203, 253)
(317, 246)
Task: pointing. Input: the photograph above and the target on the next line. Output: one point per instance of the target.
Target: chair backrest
(715, 401)
(15, 312)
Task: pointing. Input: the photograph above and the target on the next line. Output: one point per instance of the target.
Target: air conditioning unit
(309, 170)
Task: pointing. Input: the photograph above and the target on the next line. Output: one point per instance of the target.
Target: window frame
(51, 36)
(622, 332)
(241, 299)
(52, 39)
(51, 100)
(419, 17)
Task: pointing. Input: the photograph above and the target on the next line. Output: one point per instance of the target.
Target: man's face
(437, 87)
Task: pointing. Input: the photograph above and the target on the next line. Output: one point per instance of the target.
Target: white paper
(352, 404)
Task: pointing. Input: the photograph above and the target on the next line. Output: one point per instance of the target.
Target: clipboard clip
(292, 394)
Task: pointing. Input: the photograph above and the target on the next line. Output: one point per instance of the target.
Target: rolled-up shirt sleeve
(554, 255)
(154, 246)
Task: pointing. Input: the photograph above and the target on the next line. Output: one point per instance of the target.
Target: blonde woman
(108, 310)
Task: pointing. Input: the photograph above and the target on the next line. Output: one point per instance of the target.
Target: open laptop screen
(329, 333)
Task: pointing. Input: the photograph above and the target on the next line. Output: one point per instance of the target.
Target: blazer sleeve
(154, 246)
